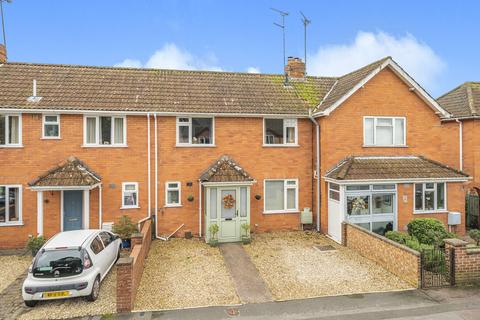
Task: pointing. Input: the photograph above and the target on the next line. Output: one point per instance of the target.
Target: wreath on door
(228, 201)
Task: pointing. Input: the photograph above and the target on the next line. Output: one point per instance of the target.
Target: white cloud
(253, 70)
(172, 57)
(416, 57)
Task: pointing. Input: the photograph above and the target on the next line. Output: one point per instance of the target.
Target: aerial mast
(282, 26)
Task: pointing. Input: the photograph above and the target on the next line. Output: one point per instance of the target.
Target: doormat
(325, 248)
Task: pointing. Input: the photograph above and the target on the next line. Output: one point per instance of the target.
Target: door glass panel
(228, 204)
(382, 203)
(243, 202)
(213, 203)
(358, 205)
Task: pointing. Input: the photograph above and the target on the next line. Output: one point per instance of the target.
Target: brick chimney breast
(3, 54)
(295, 68)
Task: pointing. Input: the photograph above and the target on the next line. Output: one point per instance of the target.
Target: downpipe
(317, 165)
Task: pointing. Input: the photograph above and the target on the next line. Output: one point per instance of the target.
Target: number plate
(56, 294)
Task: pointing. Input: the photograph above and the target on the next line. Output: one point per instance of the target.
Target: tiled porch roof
(392, 168)
(71, 173)
(225, 169)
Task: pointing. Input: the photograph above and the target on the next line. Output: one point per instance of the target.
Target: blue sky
(435, 41)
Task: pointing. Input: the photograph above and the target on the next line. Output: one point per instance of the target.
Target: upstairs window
(105, 131)
(194, 131)
(280, 132)
(384, 131)
(430, 197)
(51, 126)
(10, 130)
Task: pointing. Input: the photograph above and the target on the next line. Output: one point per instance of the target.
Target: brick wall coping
(475, 250)
(456, 242)
(137, 235)
(384, 239)
(124, 261)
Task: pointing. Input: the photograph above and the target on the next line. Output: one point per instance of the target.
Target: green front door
(229, 208)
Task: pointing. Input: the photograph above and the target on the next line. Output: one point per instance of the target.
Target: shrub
(475, 235)
(35, 243)
(427, 230)
(125, 227)
(397, 236)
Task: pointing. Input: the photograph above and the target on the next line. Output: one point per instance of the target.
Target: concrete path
(249, 285)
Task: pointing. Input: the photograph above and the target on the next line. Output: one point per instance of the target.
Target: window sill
(386, 146)
(281, 211)
(11, 224)
(104, 146)
(430, 212)
(50, 138)
(195, 145)
(129, 207)
(281, 145)
(172, 206)
(12, 146)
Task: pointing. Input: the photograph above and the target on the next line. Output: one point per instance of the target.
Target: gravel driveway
(184, 273)
(293, 268)
(11, 268)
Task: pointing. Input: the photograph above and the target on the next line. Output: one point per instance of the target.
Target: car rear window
(58, 263)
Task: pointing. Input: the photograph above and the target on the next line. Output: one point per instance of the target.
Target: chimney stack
(295, 68)
(3, 54)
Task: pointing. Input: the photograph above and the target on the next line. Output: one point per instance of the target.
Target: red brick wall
(388, 95)
(467, 261)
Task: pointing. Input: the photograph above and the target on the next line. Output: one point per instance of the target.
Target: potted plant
(213, 234)
(246, 233)
(35, 243)
(124, 228)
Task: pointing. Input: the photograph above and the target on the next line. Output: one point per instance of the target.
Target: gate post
(455, 249)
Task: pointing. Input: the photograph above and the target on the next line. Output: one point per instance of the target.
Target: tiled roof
(72, 172)
(463, 101)
(225, 169)
(68, 87)
(391, 168)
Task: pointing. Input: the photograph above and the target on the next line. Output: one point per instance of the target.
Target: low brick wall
(130, 269)
(467, 261)
(394, 257)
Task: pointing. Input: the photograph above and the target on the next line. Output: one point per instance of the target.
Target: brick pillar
(344, 233)
(458, 248)
(125, 284)
(137, 238)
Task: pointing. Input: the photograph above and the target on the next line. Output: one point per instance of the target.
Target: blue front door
(72, 210)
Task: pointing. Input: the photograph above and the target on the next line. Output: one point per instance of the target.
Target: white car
(71, 264)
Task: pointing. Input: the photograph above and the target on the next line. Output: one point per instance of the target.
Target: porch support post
(100, 218)
(86, 209)
(40, 213)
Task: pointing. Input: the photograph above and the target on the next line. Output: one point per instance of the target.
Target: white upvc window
(384, 131)
(129, 195)
(430, 197)
(173, 194)
(51, 126)
(10, 205)
(280, 195)
(280, 132)
(105, 131)
(334, 191)
(10, 130)
(195, 131)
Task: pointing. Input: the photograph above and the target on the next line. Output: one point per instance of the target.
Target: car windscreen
(58, 263)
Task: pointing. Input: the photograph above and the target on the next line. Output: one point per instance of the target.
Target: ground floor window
(371, 206)
(430, 197)
(10, 204)
(130, 195)
(281, 195)
(172, 194)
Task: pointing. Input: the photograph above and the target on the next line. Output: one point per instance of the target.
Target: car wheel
(95, 290)
(118, 254)
(30, 303)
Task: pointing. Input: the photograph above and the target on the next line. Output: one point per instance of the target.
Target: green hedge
(428, 231)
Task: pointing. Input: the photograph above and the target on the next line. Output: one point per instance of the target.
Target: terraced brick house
(81, 146)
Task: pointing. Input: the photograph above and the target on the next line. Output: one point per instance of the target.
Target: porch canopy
(394, 169)
(225, 171)
(71, 174)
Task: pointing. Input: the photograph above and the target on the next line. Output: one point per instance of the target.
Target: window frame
(179, 189)
(19, 203)
(190, 132)
(333, 190)
(285, 143)
(45, 122)
(435, 190)
(136, 205)
(7, 117)
(285, 189)
(394, 144)
(97, 143)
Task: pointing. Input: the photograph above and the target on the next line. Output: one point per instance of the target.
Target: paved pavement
(249, 285)
(441, 304)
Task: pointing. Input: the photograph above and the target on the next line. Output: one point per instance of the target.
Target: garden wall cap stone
(125, 261)
(456, 242)
(137, 235)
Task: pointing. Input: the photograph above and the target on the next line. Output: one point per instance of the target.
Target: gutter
(317, 165)
(460, 129)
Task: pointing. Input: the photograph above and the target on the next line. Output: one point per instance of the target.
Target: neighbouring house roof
(225, 169)
(463, 101)
(73, 88)
(392, 168)
(71, 173)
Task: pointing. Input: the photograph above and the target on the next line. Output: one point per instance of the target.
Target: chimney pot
(295, 69)
(3, 54)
